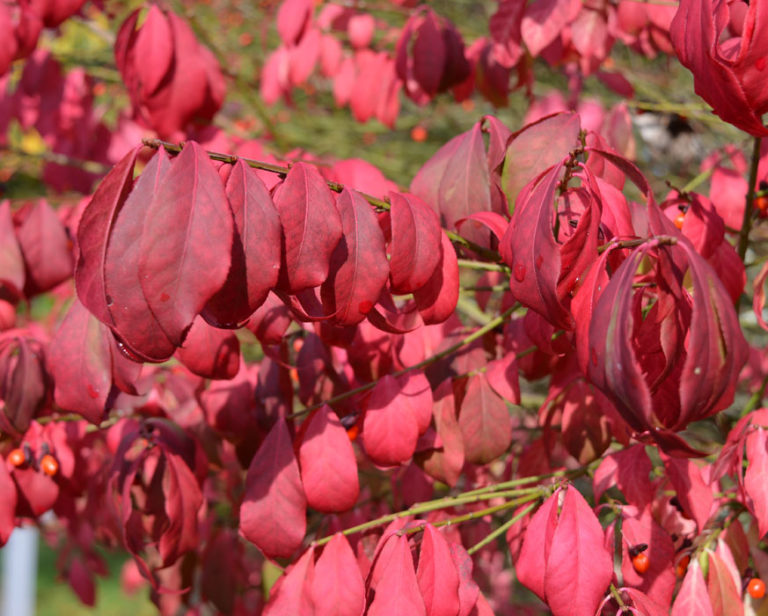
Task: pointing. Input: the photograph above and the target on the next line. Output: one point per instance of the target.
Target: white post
(20, 572)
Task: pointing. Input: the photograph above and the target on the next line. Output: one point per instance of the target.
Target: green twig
(479, 333)
(501, 529)
(746, 223)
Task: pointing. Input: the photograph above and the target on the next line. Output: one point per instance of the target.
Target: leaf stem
(746, 223)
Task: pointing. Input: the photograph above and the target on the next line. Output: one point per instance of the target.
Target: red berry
(761, 203)
(49, 465)
(17, 457)
(682, 565)
(679, 220)
(641, 562)
(419, 134)
(353, 431)
(756, 588)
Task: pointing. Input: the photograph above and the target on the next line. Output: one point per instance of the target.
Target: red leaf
(93, 235)
(183, 500)
(270, 321)
(579, 567)
(292, 19)
(438, 298)
(186, 242)
(81, 581)
(80, 362)
(724, 596)
(416, 392)
(290, 596)
(359, 267)
(531, 564)
(311, 225)
(694, 494)
(397, 591)
(456, 180)
(659, 580)
(133, 320)
(7, 503)
(535, 148)
(390, 427)
(629, 470)
(337, 588)
(328, 465)
(445, 463)
(46, 248)
(693, 597)
(209, 352)
(469, 592)
(436, 574)
(543, 22)
(272, 514)
(415, 244)
(754, 477)
(255, 250)
(530, 249)
(11, 260)
(155, 40)
(428, 54)
(486, 426)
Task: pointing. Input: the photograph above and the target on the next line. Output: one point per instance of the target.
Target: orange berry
(353, 431)
(761, 203)
(641, 562)
(756, 588)
(49, 465)
(679, 220)
(17, 457)
(419, 134)
(682, 565)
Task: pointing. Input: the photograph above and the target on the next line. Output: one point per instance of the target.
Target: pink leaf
(694, 494)
(290, 596)
(390, 427)
(445, 463)
(693, 597)
(579, 567)
(7, 504)
(80, 362)
(209, 352)
(337, 588)
(272, 514)
(292, 19)
(311, 225)
(535, 148)
(11, 260)
(629, 470)
(436, 574)
(531, 564)
(255, 250)
(93, 234)
(155, 39)
(438, 298)
(46, 248)
(485, 423)
(328, 465)
(415, 244)
(397, 591)
(186, 242)
(134, 323)
(754, 477)
(359, 268)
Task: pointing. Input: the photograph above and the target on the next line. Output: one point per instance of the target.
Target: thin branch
(746, 223)
(479, 333)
